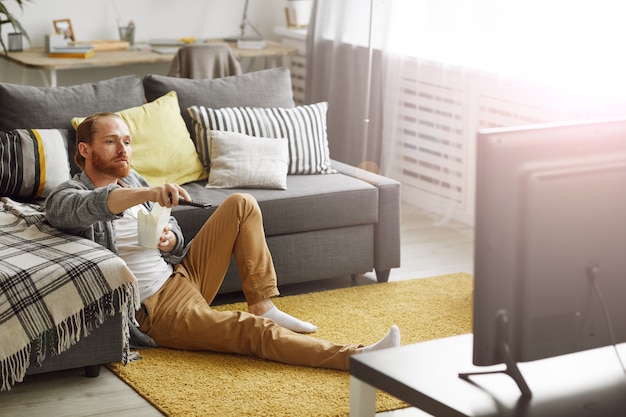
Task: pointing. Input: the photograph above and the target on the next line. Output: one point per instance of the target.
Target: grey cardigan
(77, 207)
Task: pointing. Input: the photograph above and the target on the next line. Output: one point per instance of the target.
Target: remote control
(183, 202)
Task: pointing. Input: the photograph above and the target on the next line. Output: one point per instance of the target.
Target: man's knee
(242, 200)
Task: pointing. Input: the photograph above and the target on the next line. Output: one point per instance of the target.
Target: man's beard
(109, 168)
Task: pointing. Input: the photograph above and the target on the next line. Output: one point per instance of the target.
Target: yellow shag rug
(182, 383)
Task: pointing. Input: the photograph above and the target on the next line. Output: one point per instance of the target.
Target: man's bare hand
(168, 240)
(168, 195)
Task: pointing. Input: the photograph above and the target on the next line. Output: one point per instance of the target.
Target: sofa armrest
(387, 230)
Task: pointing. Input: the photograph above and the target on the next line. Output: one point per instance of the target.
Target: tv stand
(426, 375)
(504, 349)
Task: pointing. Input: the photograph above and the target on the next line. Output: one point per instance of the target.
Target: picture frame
(64, 27)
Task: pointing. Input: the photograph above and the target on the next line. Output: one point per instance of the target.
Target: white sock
(290, 322)
(391, 339)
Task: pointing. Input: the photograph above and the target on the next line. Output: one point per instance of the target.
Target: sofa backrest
(30, 107)
(265, 88)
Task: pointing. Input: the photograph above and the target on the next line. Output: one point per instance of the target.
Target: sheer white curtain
(502, 62)
(571, 48)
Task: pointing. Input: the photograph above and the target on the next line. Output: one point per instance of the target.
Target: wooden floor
(428, 249)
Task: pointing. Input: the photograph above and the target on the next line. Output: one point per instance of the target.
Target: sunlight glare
(571, 45)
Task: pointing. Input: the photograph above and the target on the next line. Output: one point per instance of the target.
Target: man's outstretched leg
(177, 316)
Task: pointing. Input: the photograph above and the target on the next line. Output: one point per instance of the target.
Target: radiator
(439, 115)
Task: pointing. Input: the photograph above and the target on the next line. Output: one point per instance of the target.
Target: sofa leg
(92, 371)
(382, 276)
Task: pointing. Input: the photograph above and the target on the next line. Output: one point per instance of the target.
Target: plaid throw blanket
(54, 289)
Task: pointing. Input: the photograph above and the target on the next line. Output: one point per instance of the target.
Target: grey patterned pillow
(32, 162)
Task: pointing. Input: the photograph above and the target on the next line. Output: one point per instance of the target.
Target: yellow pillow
(163, 151)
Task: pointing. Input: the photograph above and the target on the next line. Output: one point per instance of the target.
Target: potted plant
(7, 17)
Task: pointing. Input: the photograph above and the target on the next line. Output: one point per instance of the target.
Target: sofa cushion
(303, 126)
(163, 152)
(239, 160)
(32, 162)
(266, 88)
(311, 202)
(26, 107)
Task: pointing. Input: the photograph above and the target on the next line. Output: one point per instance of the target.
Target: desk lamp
(245, 22)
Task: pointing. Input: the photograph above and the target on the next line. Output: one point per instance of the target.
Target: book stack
(104, 45)
(72, 51)
(250, 43)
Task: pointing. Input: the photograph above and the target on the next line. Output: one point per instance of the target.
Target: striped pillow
(303, 126)
(33, 162)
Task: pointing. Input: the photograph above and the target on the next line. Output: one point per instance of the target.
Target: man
(177, 283)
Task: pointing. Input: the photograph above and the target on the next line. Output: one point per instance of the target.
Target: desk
(425, 375)
(38, 59)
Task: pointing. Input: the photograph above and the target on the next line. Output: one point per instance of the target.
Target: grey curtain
(337, 72)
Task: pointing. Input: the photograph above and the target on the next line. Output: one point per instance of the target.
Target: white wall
(97, 19)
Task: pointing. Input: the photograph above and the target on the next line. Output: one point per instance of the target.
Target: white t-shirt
(146, 264)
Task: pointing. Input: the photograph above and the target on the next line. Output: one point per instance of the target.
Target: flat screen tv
(550, 243)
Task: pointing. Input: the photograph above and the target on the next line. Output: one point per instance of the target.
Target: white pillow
(303, 126)
(242, 161)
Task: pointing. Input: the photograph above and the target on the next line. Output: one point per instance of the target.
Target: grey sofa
(322, 226)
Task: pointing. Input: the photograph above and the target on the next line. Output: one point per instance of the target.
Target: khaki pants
(179, 314)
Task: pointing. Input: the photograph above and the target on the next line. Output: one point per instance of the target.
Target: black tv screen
(550, 243)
